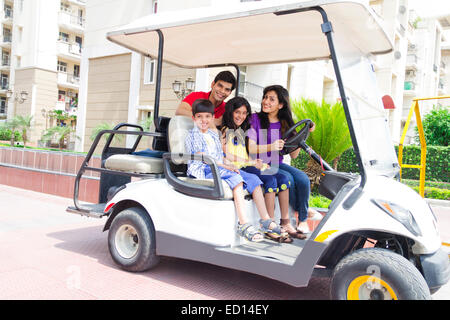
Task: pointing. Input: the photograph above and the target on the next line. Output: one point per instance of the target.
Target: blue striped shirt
(195, 143)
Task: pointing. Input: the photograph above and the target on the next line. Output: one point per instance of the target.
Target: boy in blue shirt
(204, 140)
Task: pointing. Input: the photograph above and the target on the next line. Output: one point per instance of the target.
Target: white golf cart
(169, 214)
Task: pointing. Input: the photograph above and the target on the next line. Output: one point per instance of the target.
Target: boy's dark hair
(202, 105)
(226, 76)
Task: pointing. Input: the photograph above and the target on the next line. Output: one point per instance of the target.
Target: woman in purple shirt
(265, 142)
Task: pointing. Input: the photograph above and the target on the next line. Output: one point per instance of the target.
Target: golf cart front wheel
(131, 240)
(377, 274)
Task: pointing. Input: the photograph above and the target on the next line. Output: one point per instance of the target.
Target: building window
(61, 95)
(155, 6)
(149, 71)
(65, 7)
(63, 37)
(2, 105)
(62, 66)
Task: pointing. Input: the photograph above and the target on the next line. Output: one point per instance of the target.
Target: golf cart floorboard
(89, 210)
(285, 253)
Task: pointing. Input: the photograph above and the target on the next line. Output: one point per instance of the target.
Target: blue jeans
(299, 190)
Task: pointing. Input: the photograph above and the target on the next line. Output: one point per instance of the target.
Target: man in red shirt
(222, 86)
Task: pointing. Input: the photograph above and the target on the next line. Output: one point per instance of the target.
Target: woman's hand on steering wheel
(294, 139)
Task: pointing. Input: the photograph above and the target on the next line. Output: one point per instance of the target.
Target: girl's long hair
(284, 114)
(228, 121)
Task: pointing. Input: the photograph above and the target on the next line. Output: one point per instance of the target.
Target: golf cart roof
(252, 33)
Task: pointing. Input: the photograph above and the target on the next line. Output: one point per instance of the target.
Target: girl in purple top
(265, 142)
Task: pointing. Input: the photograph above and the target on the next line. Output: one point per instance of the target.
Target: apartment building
(42, 43)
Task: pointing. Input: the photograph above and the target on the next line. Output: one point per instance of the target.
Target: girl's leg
(270, 185)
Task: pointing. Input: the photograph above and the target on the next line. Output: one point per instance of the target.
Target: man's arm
(184, 109)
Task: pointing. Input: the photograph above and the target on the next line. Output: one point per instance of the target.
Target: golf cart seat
(179, 127)
(134, 163)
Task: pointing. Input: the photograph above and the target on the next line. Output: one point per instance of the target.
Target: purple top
(265, 136)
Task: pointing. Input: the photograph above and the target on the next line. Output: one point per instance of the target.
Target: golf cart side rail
(85, 167)
(214, 193)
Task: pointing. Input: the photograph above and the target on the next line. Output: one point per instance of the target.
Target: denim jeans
(299, 190)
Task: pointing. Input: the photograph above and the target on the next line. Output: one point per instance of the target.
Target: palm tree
(104, 126)
(24, 124)
(13, 125)
(331, 136)
(59, 134)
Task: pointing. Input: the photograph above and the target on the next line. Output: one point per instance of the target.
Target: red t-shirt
(218, 112)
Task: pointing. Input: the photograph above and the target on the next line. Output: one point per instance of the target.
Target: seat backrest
(179, 127)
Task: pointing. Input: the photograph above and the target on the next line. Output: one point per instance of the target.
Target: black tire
(395, 277)
(131, 240)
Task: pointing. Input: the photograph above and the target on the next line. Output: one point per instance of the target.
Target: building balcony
(4, 87)
(411, 62)
(5, 41)
(5, 63)
(409, 88)
(71, 22)
(80, 3)
(442, 70)
(7, 16)
(69, 51)
(67, 80)
(252, 92)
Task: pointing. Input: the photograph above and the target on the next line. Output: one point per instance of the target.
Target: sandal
(249, 232)
(265, 227)
(294, 234)
(275, 234)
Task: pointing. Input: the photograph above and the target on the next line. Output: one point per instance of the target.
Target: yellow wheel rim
(370, 288)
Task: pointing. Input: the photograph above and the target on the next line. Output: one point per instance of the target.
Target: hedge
(437, 162)
(5, 134)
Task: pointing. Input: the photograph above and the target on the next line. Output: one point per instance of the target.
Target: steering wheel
(294, 139)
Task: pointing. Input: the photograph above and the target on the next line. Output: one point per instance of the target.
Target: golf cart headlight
(400, 214)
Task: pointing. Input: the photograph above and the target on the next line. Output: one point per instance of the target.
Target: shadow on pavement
(202, 278)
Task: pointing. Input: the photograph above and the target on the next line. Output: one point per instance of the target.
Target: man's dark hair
(226, 76)
(202, 105)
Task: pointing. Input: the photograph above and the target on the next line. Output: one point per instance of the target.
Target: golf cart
(166, 213)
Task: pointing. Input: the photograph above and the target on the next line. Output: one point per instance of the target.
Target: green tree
(104, 126)
(24, 124)
(436, 127)
(331, 136)
(60, 134)
(13, 125)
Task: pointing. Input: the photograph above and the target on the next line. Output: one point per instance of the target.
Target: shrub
(436, 127)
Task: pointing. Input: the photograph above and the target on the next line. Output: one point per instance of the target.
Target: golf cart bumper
(436, 268)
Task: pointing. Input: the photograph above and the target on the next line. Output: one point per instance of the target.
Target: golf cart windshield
(366, 109)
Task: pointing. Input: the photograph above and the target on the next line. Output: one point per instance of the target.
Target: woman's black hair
(284, 114)
(228, 121)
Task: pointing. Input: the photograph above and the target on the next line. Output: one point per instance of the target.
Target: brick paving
(50, 254)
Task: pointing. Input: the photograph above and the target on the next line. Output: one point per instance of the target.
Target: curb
(439, 203)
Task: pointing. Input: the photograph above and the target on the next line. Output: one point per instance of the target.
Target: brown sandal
(279, 239)
(294, 234)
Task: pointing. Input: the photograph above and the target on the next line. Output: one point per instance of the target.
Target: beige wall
(44, 96)
(168, 101)
(108, 90)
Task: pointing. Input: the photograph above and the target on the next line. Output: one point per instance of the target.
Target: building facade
(41, 56)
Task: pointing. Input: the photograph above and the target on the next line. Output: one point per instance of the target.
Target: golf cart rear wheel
(377, 274)
(131, 240)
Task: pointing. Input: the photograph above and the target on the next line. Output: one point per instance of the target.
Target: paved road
(47, 253)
